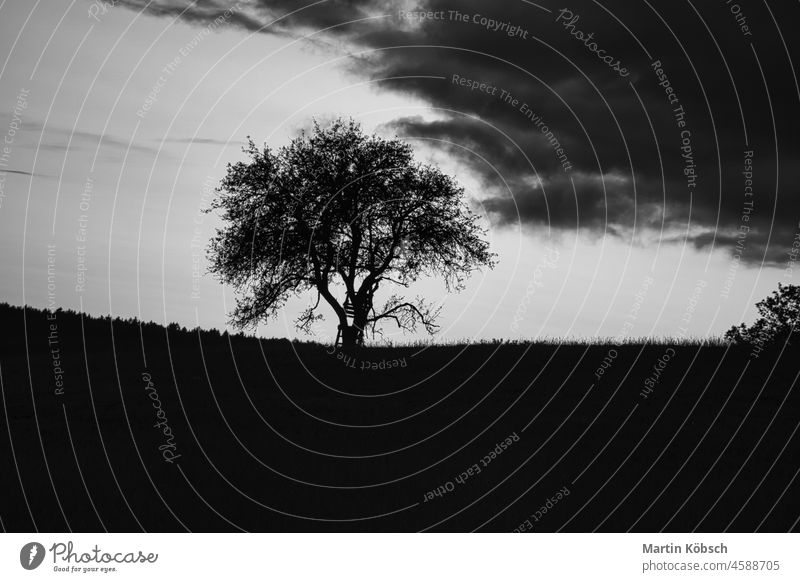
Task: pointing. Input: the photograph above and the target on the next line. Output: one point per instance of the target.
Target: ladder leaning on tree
(349, 311)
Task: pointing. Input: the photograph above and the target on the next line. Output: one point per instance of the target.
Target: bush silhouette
(780, 316)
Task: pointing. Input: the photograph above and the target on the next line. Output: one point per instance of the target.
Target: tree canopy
(780, 318)
(340, 213)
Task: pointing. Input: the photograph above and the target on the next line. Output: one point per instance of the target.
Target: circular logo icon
(31, 555)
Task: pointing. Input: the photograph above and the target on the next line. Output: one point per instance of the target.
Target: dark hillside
(130, 427)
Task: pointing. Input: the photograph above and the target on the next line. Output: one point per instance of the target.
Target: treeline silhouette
(11, 315)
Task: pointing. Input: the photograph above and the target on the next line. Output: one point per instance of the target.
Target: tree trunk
(349, 336)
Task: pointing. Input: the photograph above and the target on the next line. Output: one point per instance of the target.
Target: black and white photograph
(331, 270)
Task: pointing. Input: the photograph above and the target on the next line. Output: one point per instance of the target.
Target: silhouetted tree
(780, 317)
(339, 212)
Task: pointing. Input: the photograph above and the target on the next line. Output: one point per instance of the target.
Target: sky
(636, 168)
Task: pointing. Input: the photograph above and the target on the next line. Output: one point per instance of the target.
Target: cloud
(661, 149)
(63, 139)
(204, 141)
(20, 172)
(200, 12)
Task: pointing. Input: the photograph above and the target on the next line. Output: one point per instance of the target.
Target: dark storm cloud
(613, 156)
(199, 11)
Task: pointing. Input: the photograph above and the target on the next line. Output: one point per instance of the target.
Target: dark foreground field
(129, 428)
